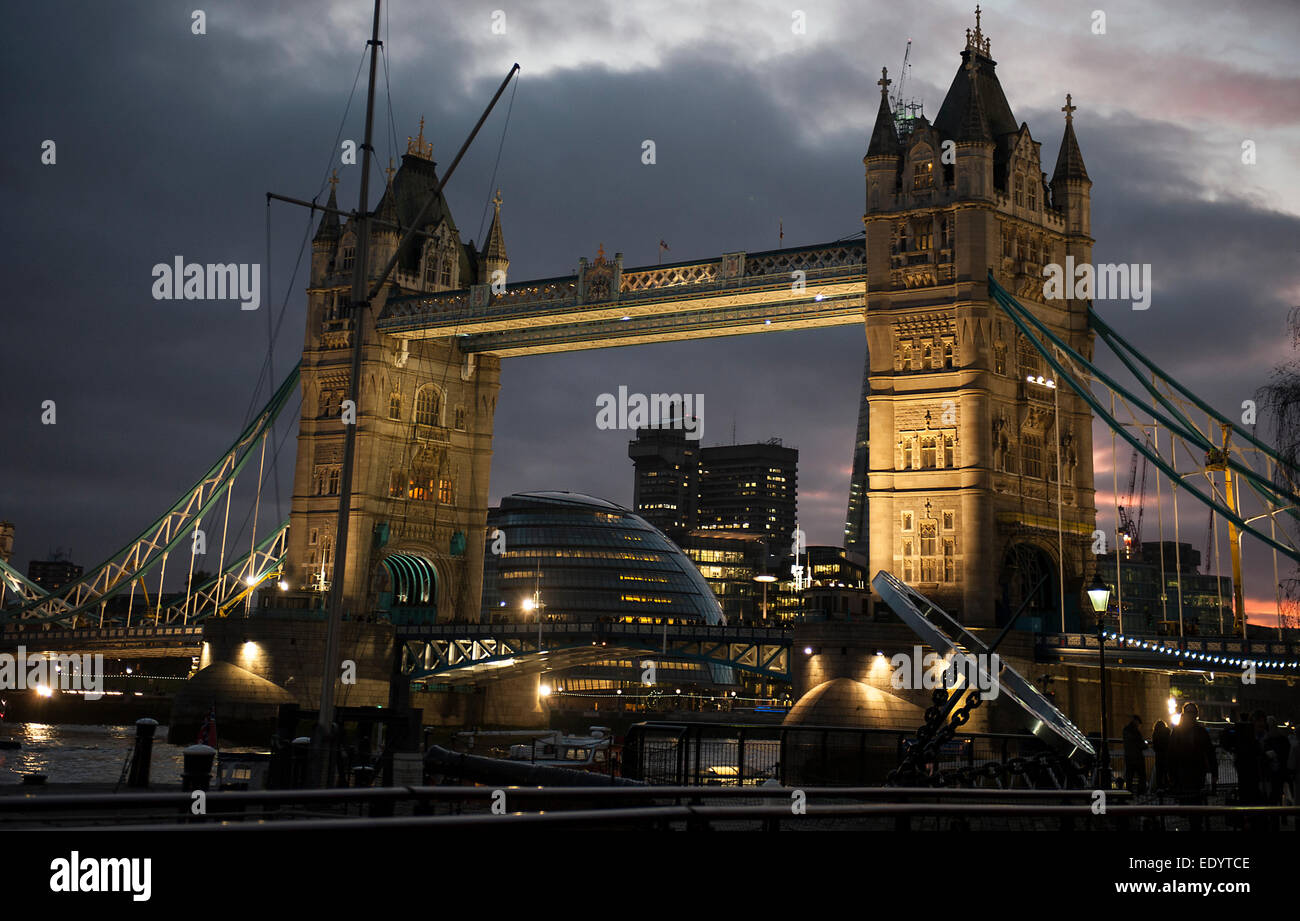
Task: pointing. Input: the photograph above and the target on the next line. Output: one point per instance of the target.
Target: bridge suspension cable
(1170, 405)
(150, 548)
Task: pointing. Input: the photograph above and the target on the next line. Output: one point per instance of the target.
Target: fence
(702, 754)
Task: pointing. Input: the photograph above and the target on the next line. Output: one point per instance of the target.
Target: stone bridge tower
(962, 479)
(424, 419)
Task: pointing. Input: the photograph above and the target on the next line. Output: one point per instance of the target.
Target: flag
(208, 731)
(663, 246)
(781, 228)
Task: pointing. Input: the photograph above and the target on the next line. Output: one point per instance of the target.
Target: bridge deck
(604, 306)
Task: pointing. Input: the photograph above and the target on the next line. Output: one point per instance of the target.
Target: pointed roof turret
(956, 105)
(884, 136)
(494, 250)
(387, 212)
(974, 124)
(1069, 162)
(328, 232)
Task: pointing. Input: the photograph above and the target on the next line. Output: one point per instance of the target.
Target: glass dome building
(580, 559)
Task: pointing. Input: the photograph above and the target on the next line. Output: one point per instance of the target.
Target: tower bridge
(975, 479)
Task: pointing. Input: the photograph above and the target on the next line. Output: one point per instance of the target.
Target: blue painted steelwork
(149, 549)
(414, 594)
(1024, 320)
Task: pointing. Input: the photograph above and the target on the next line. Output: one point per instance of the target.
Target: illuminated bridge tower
(424, 423)
(962, 472)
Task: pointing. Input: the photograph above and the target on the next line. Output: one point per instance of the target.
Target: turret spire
(1069, 162)
(328, 231)
(418, 146)
(884, 136)
(494, 249)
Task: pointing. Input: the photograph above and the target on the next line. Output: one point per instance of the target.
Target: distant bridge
(126, 642)
(468, 653)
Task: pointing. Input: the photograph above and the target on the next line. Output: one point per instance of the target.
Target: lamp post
(1099, 597)
(765, 578)
(535, 604)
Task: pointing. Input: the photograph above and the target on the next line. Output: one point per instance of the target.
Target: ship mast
(361, 299)
(360, 303)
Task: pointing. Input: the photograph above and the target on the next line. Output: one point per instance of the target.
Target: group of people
(1266, 756)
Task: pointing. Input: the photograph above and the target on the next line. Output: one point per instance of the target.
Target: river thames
(81, 754)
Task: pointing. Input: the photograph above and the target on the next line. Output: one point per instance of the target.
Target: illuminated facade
(570, 557)
(962, 484)
(424, 416)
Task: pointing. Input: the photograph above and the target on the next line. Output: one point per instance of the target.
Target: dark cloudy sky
(167, 143)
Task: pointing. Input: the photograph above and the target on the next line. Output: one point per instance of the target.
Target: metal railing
(667, 808)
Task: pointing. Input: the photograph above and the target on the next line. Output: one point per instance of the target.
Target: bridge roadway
(468, 653)
(603, 306)
(125, 642)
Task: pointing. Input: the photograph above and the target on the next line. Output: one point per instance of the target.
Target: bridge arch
(1030, 576)
(407, 586)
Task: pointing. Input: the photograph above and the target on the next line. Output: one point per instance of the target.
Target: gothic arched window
(923, 168)
(1032, 449)
(395, 405)
(928, 540)
(427, 405)
(928, 450)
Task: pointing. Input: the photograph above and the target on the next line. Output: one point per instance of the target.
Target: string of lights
(1205, 657)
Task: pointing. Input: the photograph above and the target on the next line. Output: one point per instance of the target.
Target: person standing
(1135, 762)
(1247, 755)
(1191, 758)
(1160, 745)
(1293, 764)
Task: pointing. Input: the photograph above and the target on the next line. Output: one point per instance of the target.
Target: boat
(589, 752)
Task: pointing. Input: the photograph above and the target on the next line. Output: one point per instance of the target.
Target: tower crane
(905, 110)
(1130, 525)
(902, 78)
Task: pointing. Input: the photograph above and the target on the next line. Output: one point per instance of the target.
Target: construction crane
(902, 78)
(1217, 459)
(905, 110)
(1130, 526)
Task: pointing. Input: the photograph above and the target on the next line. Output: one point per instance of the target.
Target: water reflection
(82, 754)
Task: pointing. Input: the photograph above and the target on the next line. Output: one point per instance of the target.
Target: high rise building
(665, 491)
(855, 523)
(731, 508)
(50, 574)
(751, 488)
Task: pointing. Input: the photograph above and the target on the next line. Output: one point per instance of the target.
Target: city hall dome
(578, 558)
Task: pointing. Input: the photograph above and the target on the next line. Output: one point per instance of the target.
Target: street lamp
(1099, 598)
(535, 604)
(765, 578)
